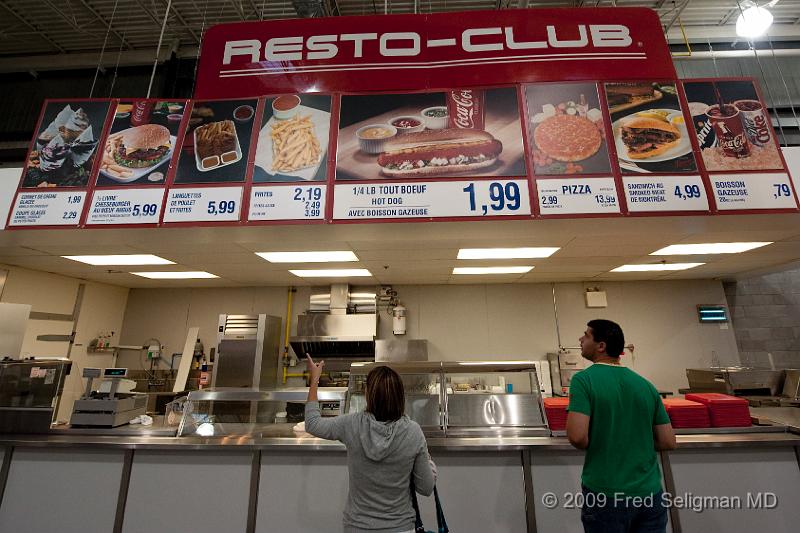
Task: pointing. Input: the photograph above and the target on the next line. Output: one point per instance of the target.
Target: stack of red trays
(687, 414)
(725, 411)
(556, 411)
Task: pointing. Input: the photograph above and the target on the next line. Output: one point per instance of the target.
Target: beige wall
(102, 309)
(167, 314)
(478, 321)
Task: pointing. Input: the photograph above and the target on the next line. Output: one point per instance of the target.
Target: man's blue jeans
(623, 515)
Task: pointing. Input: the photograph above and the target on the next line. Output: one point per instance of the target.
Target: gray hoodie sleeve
(424, 479)
(332, 428)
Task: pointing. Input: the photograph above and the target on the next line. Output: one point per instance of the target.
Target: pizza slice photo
(567, 136)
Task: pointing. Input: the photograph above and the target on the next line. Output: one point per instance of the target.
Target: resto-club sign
(416, 52)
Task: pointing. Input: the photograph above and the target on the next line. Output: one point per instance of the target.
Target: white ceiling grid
(416, 253)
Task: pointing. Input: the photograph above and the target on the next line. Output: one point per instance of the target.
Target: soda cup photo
(140, 114)
(706, 137)
(755, 121)
(466, 109)
(729, 130)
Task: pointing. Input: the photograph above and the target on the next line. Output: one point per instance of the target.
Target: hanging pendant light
(753, 22)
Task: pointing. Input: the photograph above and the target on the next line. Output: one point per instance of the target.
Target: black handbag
(441, 523)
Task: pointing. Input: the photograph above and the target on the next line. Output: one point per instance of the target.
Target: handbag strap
(418, 519)
(441, 523)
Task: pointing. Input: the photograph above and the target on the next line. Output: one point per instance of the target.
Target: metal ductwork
(315, 8)
(339, 325)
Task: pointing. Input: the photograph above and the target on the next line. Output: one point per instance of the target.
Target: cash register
(107, 408)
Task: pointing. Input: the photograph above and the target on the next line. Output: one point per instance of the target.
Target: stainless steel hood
(324, 336)
(340, 324)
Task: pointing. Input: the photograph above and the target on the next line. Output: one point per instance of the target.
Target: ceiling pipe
(676, 16)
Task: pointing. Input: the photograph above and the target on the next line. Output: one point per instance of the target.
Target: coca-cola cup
(756, 122)
(706, 137)
(466, 108)
(140, 114)
(729, 130)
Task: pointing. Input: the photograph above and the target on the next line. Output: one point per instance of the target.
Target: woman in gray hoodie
(385, 449)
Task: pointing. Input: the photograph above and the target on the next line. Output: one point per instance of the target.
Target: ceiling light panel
(333, 273)
(658, 267)
(506, 253)
(710, 248)
(340, 256)
(492, 270)
(119, 260)
(175, 275)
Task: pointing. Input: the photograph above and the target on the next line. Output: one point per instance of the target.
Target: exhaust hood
(339, 324)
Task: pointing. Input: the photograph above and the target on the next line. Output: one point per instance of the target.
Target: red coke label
(140, 114)
(466, 109)
(729, 129)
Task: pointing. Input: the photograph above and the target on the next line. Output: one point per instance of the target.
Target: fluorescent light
(308, 257)
(175, 275)
(120, 260)
(753, 22)
(658, 267)
(710, 248)
(492, 270)
(332, 273)
(506, 253)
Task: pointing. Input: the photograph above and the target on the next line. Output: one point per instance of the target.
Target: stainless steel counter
(281, 437)
(119, 482)
(788, 416)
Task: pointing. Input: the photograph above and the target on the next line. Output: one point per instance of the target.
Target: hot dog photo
(458, 133)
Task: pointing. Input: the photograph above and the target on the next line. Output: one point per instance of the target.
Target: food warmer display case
(30, 392)
(237, 412)
(478, 398)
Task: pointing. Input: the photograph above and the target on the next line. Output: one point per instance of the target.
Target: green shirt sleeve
(579, 401)
(660, 417)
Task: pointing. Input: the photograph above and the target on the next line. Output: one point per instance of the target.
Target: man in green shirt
(617, 416)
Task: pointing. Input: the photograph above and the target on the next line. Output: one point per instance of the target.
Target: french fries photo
(294, 144)
(108, 164)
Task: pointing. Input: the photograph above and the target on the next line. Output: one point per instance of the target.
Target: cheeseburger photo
(439, 152)
(648, 137)
(142, 146)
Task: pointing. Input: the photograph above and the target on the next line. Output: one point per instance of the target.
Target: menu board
(135, 160)
(216, 145)
(63, 155)
(431, 199)
(47, 207)
(554, 149)
(293, 141)
(430, 135)
(203, 204)
(566, 129)
(299, 202)
(738, 145)
(399, 140)
(648, 194)
(216, 150)
(578, 196)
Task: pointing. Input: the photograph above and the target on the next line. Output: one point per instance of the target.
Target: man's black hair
(610, 333)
